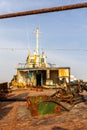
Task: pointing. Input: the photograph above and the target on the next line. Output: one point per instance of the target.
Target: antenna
(37, 37)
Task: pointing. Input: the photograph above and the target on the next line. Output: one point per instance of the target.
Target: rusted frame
(45, 10)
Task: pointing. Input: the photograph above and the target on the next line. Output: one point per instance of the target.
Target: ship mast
(37, 37)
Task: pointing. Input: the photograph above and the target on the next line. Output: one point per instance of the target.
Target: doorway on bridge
(38, 79)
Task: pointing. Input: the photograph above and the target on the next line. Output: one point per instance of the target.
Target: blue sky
(59, 30)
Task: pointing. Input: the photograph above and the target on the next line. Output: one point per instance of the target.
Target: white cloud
(3, 3)
(4, 7)
(7, 6)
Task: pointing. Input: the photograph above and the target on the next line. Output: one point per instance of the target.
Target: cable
(27, 49)
(66, 49)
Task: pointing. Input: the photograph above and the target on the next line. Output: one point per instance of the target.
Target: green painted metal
(47, 108)
(39, 105)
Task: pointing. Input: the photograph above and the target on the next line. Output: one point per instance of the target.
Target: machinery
(61, 100)
(4, 90)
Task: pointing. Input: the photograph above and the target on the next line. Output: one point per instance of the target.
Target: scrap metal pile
(61, 100)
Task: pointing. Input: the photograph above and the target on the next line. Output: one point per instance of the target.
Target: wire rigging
(27, 49)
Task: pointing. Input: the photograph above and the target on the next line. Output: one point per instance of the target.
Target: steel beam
(45, 10)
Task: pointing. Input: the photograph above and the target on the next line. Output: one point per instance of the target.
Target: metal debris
(59, 101)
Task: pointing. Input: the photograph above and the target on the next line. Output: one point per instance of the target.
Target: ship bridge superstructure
(37, 59)
(37, 72)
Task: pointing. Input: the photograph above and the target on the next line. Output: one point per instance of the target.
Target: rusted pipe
(45, 10)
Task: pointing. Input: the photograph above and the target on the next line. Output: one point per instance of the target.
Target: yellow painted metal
(63, 72)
